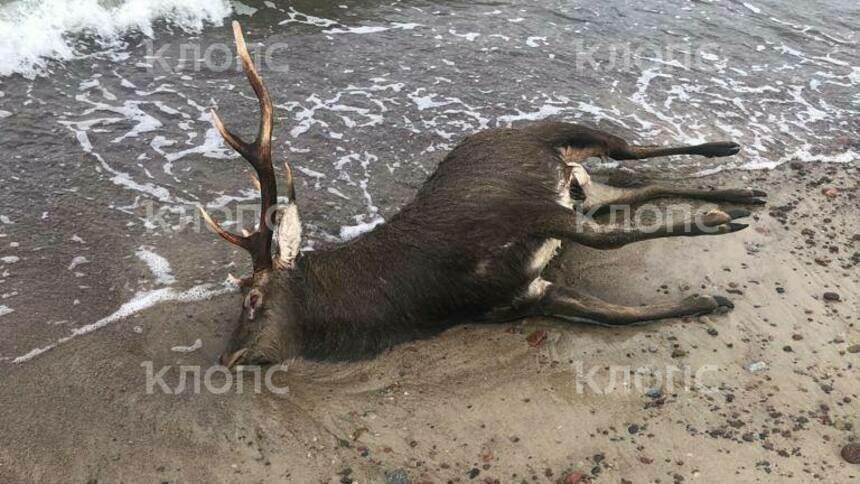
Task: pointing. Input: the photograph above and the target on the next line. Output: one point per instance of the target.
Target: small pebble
(851, 453)
(573, 478)
(537, 338)
(678, 353)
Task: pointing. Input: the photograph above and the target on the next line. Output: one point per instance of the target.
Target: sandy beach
(774, 396)
(113, 301)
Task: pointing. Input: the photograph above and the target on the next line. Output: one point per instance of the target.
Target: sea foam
(34, 32)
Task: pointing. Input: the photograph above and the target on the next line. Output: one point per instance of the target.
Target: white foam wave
(139, 302)
(4, 310)
(34, 31)
(752, 7)
(372, 29)
(198, 343)
(349, 232)
(545, 111)
(76, 261)
(158, 265)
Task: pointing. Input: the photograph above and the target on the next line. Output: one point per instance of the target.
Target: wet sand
(778, 401)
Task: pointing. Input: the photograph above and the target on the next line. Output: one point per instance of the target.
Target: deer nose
(230, 359)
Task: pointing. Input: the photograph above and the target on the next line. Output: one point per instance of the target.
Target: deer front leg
(567, 303)
(561, 223)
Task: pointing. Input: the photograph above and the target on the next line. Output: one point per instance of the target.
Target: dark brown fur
(420, 270)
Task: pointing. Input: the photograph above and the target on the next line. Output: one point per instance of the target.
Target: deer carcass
(472, 244)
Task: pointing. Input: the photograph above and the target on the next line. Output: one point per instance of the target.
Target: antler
(259, 155)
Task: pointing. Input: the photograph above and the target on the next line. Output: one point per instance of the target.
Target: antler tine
(288, 175)
(255, 181)
(234, 239)
(233, 140)
(264, 137)
(259, 155)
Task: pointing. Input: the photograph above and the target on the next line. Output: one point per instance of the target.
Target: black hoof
(736, 213)
(756, 198)
(724, 302)
(719, 148)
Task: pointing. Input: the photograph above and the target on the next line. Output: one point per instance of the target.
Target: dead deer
(471, 245)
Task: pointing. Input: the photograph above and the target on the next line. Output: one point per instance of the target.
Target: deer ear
(289, 234)
(253, 302)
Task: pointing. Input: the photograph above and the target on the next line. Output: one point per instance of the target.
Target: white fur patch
(582, 177)
(572, 156)
(289, 234)
(534, 291)
(543, 255)
(564, 198)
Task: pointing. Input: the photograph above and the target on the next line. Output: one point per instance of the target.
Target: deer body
(458, 251)
(472, 244)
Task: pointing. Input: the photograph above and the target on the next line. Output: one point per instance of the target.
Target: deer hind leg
(599, 195)
(621, 150)
(570, 304)
(581, 138)
(595, 195)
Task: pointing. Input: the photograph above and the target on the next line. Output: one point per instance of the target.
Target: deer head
(259, 337)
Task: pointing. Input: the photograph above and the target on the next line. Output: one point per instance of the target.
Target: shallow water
(108, 143)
